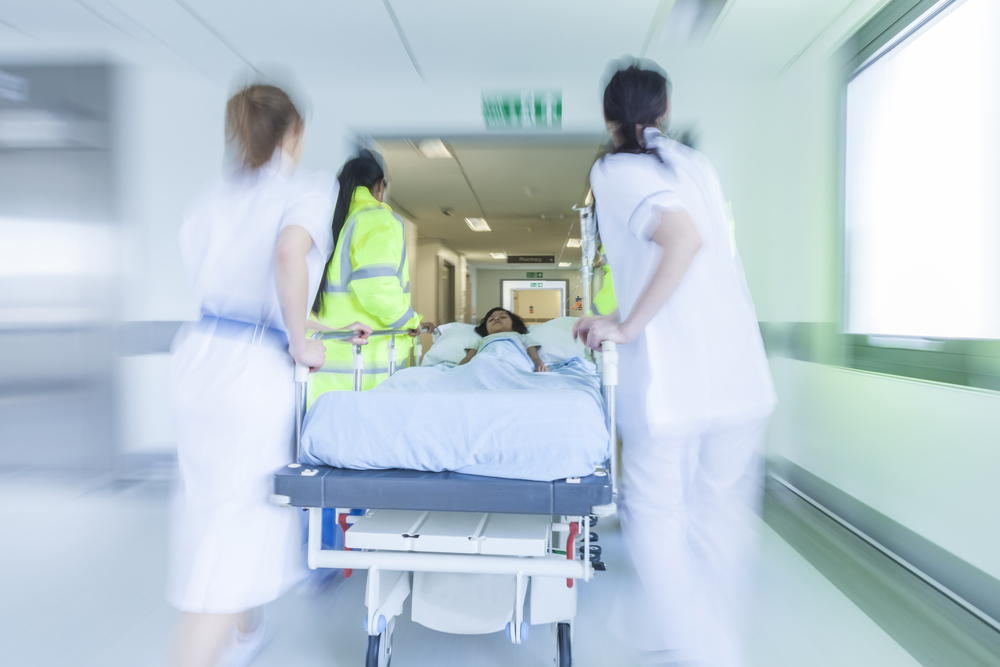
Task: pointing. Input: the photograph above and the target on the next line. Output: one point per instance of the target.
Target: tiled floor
(82, 566)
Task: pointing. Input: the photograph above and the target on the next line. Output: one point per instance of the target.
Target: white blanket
(492, 416)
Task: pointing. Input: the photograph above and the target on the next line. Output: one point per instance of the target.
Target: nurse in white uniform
(254, 248)
(696, 391)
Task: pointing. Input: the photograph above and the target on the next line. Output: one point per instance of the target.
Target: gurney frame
(392, 570)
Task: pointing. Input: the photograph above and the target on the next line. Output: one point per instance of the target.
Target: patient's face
(499, 321)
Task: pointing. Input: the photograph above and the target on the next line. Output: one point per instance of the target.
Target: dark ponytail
(635, 96)
(362, 171)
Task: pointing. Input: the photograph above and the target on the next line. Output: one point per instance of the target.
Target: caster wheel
(379, 650)
(564, 648)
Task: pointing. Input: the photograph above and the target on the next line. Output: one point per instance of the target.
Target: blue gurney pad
(438, 491)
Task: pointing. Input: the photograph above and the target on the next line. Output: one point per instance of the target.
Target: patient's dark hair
(519, 325)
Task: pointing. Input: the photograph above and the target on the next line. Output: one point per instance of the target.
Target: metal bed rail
(358, 363)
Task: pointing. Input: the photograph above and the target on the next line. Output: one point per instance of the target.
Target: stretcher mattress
(492, 417)
(324, 486)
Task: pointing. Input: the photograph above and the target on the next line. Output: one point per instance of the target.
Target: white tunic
(701, 357)
(233, 396)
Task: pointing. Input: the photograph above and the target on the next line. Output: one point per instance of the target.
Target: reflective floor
(82, 569)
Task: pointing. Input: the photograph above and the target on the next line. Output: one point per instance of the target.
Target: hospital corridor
(447, 333)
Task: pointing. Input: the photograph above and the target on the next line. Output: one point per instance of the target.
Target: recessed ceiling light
(574, 243)
(564, 265)
(477, 224)
(433, 148)
(498, 255)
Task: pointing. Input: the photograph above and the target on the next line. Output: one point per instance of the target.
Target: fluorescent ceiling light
(574, 243)
(564, 265)
(691, 20)
(433, 148)
(498, 255)
(477, 224)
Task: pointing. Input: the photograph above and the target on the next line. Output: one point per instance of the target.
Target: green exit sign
(519, 109)
(538, 284)
(533, 274)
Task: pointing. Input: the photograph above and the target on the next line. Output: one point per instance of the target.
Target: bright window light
(564, 265)
(477, 224)
(922, 205)
(433, 148)
(574, 243)
(498, 255)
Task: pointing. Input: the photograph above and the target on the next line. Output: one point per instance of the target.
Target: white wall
(922, 453)
(430, 252)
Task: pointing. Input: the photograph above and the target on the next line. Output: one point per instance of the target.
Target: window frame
(963, 362)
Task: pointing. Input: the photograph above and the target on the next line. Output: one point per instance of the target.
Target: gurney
(464, 548)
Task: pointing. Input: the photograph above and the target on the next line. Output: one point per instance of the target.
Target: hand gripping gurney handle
(302, 372)
(609, 382)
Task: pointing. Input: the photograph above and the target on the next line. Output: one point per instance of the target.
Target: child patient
(500, 323)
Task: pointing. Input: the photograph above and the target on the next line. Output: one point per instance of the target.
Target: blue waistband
(243, 331)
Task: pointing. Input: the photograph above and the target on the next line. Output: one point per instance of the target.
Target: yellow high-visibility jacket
(605, 302)
(368, 281)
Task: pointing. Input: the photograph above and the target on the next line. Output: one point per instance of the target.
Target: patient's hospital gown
(525, 340)
(232, 394)
(695, 396)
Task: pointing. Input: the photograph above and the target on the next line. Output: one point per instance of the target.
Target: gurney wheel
(374, 649)
(564, 646)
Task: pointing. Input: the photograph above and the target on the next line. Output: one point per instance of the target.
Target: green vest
(605, 301)
(368, 281)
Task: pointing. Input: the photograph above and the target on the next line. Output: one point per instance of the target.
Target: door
(537, 305)
(535, 300)
(446, 293)
(468, 298)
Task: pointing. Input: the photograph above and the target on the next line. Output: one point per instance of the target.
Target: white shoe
(243, 647)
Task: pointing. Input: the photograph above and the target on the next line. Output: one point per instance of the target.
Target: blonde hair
(257, 119)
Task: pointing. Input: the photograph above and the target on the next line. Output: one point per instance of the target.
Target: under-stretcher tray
(438, 491)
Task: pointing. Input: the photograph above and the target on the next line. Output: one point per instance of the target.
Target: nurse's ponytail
(362, 171)
(635, 97)
(257, 119)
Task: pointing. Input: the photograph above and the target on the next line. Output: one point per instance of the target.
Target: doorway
(468, 298)
(535, 301)
(446, 292)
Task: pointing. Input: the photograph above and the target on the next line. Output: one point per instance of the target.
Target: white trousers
(234, 409)
(689, 517)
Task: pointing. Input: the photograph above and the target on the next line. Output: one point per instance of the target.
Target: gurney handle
(609, 379)
(301, 372)
(342, 335)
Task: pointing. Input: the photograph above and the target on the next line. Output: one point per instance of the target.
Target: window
(922, 180)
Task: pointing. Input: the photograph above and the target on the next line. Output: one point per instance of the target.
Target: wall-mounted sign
(531, 259)
(533, 274)
(518, 109)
